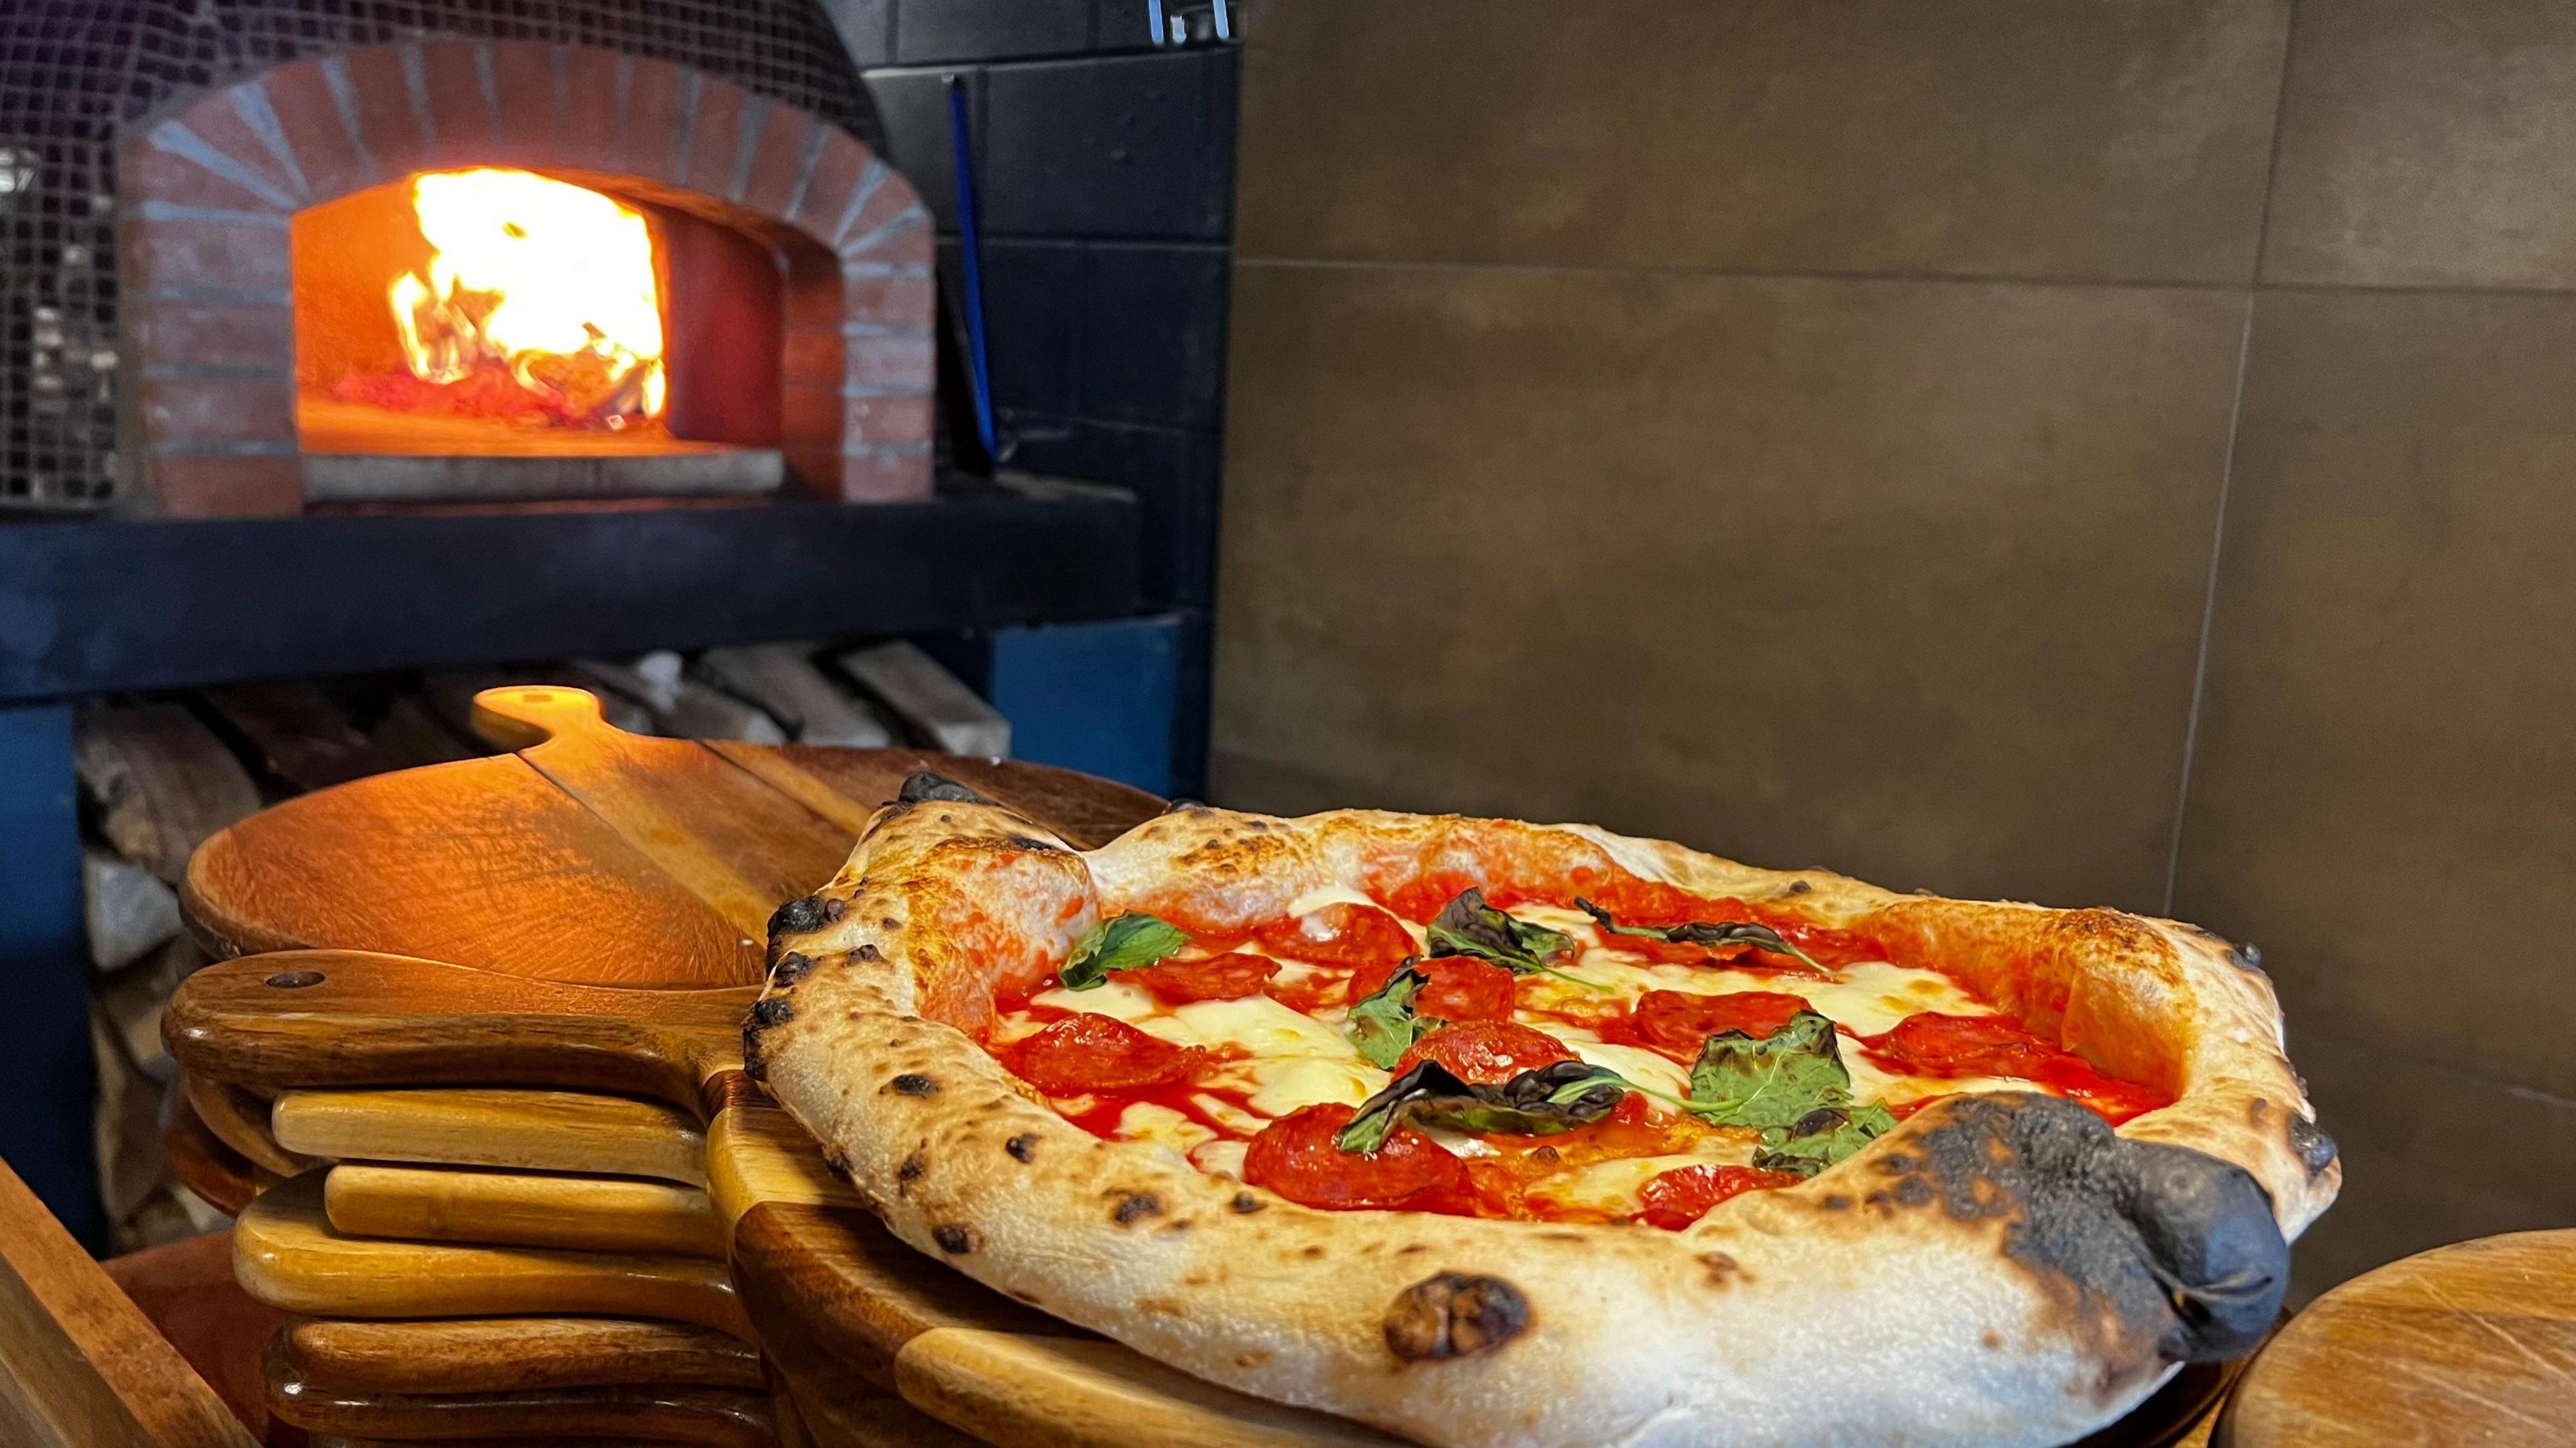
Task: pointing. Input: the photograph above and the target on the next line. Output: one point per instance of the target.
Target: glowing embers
(539, 304)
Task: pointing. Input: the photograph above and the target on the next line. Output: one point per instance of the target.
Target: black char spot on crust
(1136, 1206)
(1454, 1314)
(1245, 1203)
(910, 1083)
(2315, 1150)
(796, 917)
(926, 785)
(765, 1013)
(791, 968)
(1023, 1147)
(868, 952)
(2248, 956)
(1026, 842)
(2160, 1253)
(953, 1239)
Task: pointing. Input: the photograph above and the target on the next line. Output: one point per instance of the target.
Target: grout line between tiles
(2227, 469)
(2208, 610)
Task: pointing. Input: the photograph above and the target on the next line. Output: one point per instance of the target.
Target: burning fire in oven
(539, 306)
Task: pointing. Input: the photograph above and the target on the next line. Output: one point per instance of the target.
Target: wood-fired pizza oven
(284, 329)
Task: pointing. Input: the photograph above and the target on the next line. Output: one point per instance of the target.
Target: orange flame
(550, 282)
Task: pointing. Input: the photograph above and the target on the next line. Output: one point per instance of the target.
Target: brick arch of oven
(207, 189)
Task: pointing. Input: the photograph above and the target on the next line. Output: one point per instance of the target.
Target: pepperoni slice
(1675, 1199)
(1298, 1157)
(1930, 1043)
(1462, 988)
(1486, 1053)
(1090, 1052)
(1228, 977)
(1341, 934)
(1681, 1021)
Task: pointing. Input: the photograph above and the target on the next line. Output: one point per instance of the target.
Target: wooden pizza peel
(861, 1325)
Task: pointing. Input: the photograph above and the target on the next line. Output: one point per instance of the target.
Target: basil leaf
(1825, 1136)
(1540, 1102)
(1739, 1081)
(1716, 936)
(1385, 1026)
(1469, 926)
(1129, 942)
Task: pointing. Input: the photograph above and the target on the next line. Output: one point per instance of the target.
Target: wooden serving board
(2471, 1343)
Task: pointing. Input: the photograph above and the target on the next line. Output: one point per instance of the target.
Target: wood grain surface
(2467, 1344)
(350, 1018)
(80, 1365)
(508, 1355)
(286, 1254)
(201, 1162)
(711, 1417)
(594, 856)
(568, 1131)
(515, 1209)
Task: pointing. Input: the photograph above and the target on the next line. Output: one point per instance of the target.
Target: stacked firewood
(159, 775)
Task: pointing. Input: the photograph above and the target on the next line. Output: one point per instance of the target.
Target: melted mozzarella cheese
(1163, 1126)
(1277, 1085)
(1634, 1062)
(1255, 1024)
(1228, 1115)
(1221, 1158)
(1112, 997)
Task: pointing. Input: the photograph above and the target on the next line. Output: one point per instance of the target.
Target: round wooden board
(2472, 1343)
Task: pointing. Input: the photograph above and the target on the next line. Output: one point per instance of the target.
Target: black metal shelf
(96, 607)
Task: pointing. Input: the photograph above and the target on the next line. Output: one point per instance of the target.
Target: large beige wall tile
(2428, 143)
(2113, 138)
(1899, 577)
(2385, 791)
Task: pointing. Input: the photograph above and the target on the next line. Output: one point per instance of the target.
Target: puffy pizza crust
(2000, 1270)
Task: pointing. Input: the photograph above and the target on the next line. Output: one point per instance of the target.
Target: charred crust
(1453, 1314)
(1027, 843)
(791, 968)
(868, 952)
(2153, 1253)
(772, 1011)
(1245, 1204)
(926, 785)
(1135, 1207)
(912, 1168)
(2247, 956)
(2309, 1143)
(837, 1162)
(1023, 1147)
(953, 1239)
(797, 917)
(910, 1083)
(1799, 887)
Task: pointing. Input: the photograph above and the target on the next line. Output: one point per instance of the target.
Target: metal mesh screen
(72, 72)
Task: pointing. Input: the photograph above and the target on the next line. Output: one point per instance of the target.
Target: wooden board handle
(525, 716)
(304, 1018)
(287, 1254)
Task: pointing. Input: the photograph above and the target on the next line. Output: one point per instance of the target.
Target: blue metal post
(48, 1082)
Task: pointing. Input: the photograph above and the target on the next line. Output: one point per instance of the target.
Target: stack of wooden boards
(481, 1066)
(476, 1087)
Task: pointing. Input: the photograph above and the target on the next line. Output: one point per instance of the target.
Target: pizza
(1492, 1133)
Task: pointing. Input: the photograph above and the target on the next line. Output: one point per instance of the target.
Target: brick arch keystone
(206, 191)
